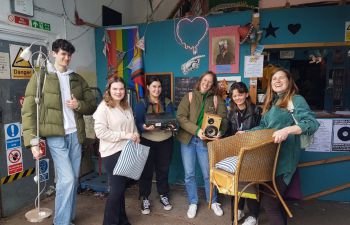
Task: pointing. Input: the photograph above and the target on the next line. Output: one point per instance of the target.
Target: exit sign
(40, 25)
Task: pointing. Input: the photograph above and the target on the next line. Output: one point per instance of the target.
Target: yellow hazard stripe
(17, 176)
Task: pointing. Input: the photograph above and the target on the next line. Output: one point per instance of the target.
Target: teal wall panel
(164, 54)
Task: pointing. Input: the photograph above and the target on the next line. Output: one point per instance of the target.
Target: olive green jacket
(51, 114)
(188, 113)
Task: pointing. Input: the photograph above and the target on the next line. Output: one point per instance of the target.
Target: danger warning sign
(20, 68)
(14, 160)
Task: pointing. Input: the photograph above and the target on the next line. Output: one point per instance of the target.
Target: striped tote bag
(132, 160)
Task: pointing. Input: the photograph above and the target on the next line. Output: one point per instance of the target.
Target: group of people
(66, 98)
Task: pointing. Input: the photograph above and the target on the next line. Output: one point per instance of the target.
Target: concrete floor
(91, 206)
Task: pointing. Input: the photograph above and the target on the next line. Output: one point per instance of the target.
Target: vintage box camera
(211, 124)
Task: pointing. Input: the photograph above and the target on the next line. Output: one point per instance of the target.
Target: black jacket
(251, 118)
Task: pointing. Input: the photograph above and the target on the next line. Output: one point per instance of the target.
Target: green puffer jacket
(51, 115)
(188, 113)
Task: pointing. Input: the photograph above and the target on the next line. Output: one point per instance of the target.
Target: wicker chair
(257, 162)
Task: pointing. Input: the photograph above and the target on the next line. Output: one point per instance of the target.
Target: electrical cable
(37, 197)
(65, 13)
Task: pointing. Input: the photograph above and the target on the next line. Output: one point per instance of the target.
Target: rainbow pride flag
(121, 53)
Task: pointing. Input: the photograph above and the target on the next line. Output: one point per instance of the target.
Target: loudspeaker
(211, 124)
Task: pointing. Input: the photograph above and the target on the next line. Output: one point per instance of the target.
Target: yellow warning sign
(20, 68)
(19, 62)
(347, 31)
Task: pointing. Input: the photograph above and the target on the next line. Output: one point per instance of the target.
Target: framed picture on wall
(167, 80)
(224, 49)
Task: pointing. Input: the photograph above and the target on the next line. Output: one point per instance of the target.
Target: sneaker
(217, 209)
(165, 202)
(145, 206)
(192, 211)
(240, 214)
(250, 220)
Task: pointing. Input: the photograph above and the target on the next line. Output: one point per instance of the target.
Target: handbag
(305, 140)
(132, 160)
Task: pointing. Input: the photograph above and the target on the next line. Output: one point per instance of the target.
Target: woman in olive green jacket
(282, 92)
(193, 141)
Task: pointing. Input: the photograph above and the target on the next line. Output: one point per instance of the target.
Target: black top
(243, 119)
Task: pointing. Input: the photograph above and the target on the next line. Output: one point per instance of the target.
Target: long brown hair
(107, 94)
(292, 89)
(214, 88)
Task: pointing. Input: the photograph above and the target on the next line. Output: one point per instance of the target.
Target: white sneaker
(240, 214)
(217, 209)
(192, 211)
(250, 221)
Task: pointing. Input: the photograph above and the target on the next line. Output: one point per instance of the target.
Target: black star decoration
(270, 30)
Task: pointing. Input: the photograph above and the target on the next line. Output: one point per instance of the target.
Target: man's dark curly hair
(64, 45)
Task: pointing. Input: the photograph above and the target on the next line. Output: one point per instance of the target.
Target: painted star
(270, 30)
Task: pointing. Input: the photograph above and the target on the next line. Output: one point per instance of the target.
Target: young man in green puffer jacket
(65, 98)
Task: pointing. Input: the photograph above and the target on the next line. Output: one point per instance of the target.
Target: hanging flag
(106, 41)
(141, 43)
(137, 73)
(121, 52)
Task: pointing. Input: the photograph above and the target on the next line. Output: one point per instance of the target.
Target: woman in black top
(243, 115)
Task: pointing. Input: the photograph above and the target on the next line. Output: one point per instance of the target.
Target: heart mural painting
(196, 27)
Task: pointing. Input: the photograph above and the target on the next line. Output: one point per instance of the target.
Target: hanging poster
(323, 137)
(341, 135)
(253, 66)
(4, 66)
(20, 68)
(224, 49)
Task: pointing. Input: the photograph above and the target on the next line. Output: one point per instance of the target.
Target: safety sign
(12, 135)
(20, 68)
(14, 161)
(44, 169)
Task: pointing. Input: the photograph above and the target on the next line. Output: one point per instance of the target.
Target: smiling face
(154, 89)
(117, 91)
(279, 82)
(206, 83)
(239, 98)
(62, 58)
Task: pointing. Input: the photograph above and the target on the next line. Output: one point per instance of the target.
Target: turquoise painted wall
(164, 54)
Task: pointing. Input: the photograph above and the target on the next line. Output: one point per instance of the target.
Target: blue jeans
(189, 152)
(66, 155)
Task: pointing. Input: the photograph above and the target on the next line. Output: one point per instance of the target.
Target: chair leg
(236, 209)
(281, 199)
(232, 210)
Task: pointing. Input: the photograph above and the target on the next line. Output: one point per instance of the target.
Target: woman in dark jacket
(161, 143)
(243, 115)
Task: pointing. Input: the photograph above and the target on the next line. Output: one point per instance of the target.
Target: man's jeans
(189, 152)
(66, 155)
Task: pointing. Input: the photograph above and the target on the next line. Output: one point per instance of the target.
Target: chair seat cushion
(228, 164)
(224, 182)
